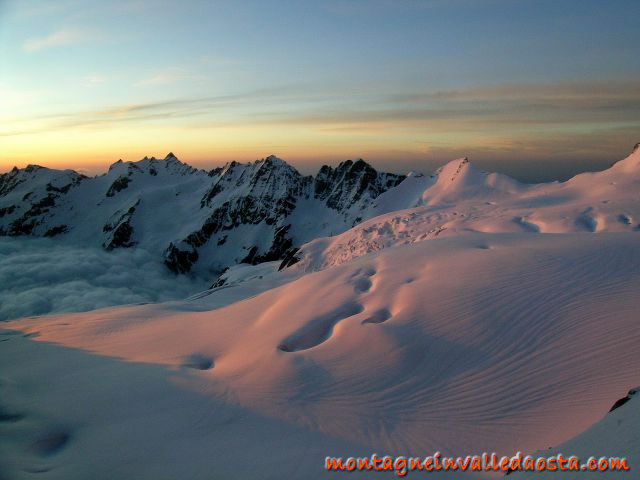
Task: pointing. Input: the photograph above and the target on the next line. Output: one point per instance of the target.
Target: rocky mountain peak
(242, 212)
(274, 160)
(346, 185)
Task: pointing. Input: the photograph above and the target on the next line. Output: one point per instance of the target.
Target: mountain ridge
(460, 199)
(208, 220)
(187, 215)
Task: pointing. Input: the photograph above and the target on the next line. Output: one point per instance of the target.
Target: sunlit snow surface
(462, 345)
(514, 329)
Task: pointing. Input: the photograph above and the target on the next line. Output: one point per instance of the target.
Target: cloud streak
(526, 106)
(55, 39)
(566, 122)
(168, 76)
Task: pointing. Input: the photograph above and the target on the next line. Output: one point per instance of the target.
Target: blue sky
(518, 85)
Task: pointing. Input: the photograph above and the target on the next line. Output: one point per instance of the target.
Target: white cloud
(40, 276)
(94, 79)
(55, 39)
(159, 79)
(166, 77)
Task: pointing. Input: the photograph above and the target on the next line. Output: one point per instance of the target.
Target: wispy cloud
(166, 77)
(140, 112)
(367, 7)
(492, 113)
(93, 80)
(56, 39)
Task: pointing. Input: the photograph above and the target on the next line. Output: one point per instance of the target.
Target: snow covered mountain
(206, 221)
(193, 218)
(460, 199)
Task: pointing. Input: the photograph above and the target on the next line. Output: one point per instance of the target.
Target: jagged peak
(117, 164)
(169, 159)
(360, 164)
(273, 160)
(28, 169)
(347, 165)
(33, 167)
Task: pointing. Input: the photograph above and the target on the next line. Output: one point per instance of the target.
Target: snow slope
(483, 342)
(460, 199)
(617, 434)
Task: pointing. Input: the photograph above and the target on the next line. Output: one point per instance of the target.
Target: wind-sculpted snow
(480, 343)
(41, 276)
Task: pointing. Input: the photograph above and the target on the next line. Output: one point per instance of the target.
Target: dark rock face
(57, 230)
(64, 189)
(179, 261)
(289, 258)
(343, 186)
(27, 222)
(7, 210)
(9, 181)
(22, 226)
(118, 185)
(31, 209)
(269, 191)
(281, 244)
(263, 192)
(213, 191)
(120, 231)
(620, 402)
(121, 237)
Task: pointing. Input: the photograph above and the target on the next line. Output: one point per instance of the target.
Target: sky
(539, 89)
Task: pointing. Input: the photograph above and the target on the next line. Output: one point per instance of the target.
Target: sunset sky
(534, 88)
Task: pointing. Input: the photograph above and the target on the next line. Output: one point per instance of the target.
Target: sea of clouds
(40, 276)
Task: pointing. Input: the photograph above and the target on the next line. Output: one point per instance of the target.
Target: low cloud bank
(40, 276)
